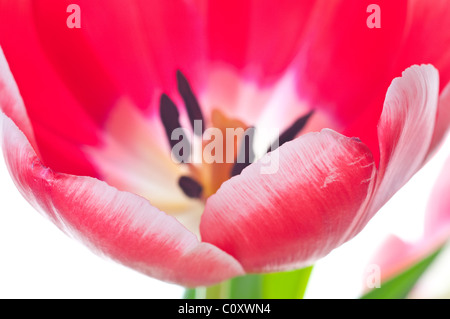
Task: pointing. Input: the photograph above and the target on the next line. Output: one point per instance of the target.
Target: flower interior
(141, 155)
(222, 157)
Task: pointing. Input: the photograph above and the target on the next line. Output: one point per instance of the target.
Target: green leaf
(400, 286)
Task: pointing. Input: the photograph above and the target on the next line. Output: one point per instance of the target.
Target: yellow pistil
(212, 175)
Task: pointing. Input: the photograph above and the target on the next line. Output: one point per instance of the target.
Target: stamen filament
(290, 133)
(170, 119)
(190, 101)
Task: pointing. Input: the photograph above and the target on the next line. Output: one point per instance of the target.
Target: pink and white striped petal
(119, 225)
(298, 214)
(405, 133)
(10, 101)
(442, 121)
(405, 130)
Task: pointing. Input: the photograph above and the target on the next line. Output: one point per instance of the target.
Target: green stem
(220, 291)
(286, 285)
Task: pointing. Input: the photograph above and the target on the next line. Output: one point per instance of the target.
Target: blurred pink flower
(396, 255)
(86, 115)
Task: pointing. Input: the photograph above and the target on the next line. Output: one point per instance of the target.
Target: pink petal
(405, 133)
(10, 101)
(120, 225)
(53, 111)
(300, 213)
(345, 67)
(437, 221)
(72, 58)
(261, 38)
(71, 79)
(261, 42)
(427, 37)
(342, 52)
(406, 129)
(442, 121)
(396, 255)
(137, 47)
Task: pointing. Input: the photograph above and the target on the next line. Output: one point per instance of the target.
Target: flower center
(220, 153)
(226, 146)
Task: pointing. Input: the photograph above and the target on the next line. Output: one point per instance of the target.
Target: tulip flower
(88, 114)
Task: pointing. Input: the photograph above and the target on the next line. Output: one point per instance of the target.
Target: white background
(39, 261)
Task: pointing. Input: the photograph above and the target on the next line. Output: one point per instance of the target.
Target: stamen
(170, 119)
(247, 150)
(190, 101)
(290, 133)
(190, 187)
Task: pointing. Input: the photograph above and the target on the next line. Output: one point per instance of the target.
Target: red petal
(137, 48)
(261, 38)
(346, 67)
(297, 214)
(55, 115)
(427, 37)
